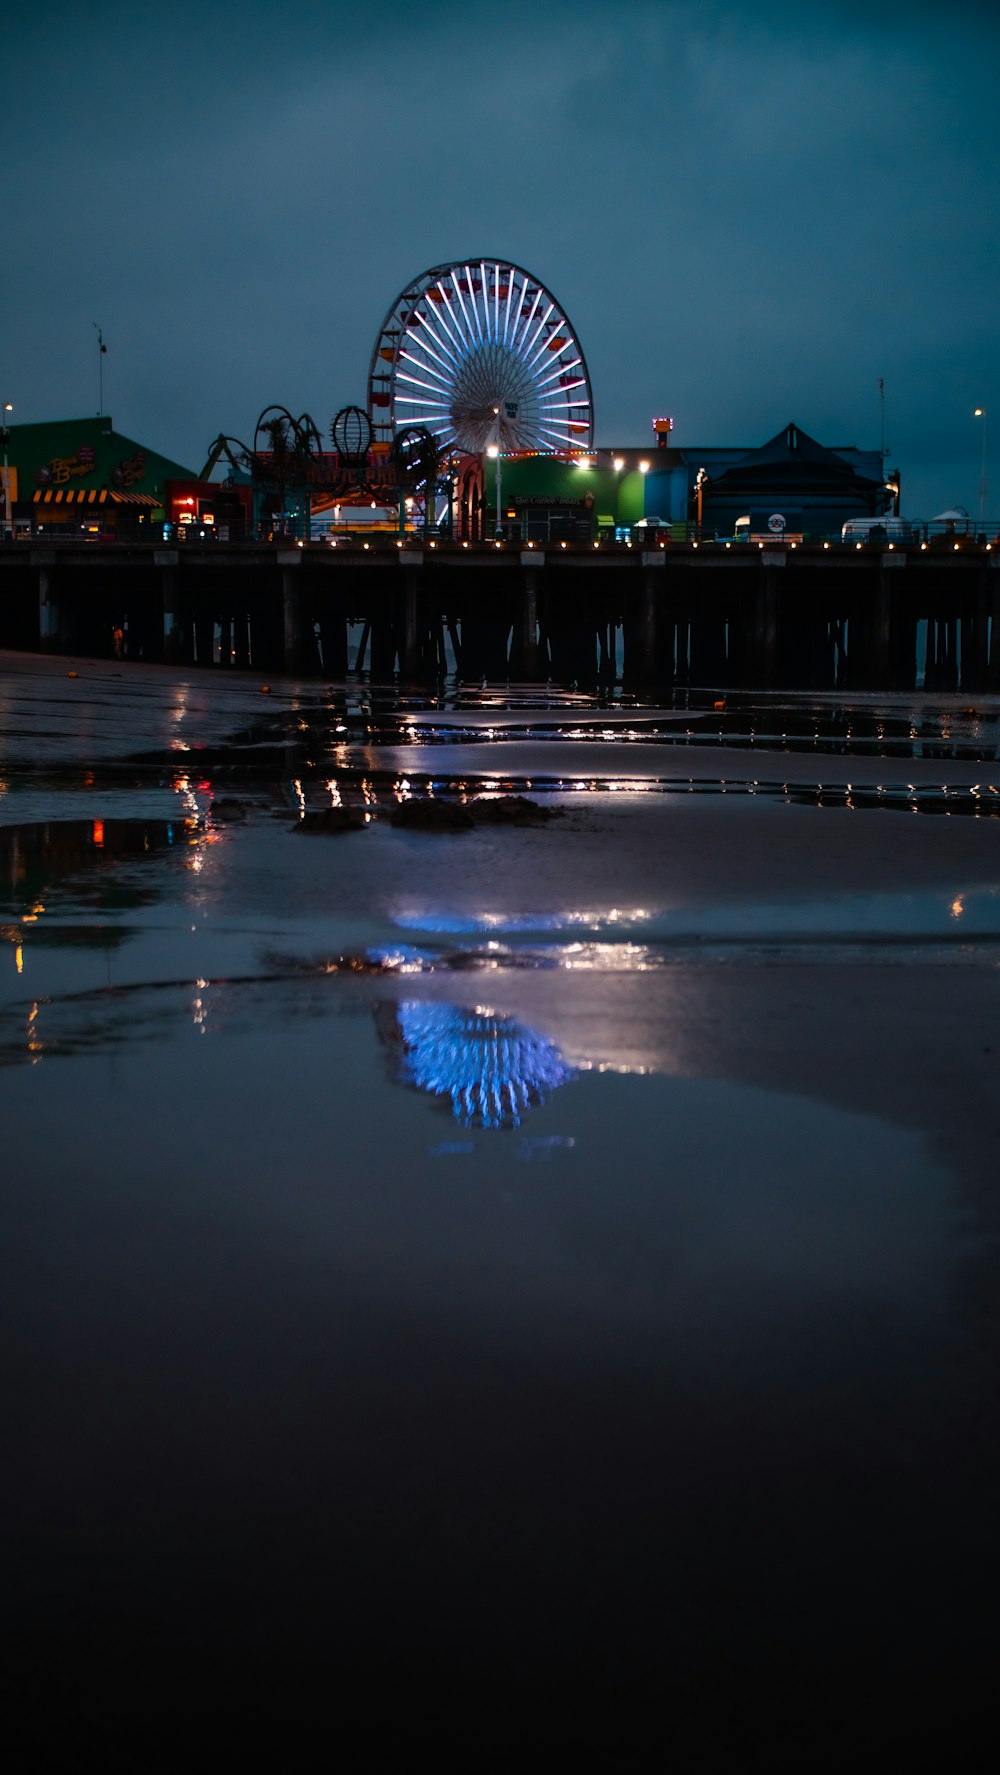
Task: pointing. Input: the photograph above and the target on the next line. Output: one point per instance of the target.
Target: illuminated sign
(63, 468)
(131, 470)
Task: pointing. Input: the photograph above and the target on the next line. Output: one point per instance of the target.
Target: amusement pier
(464, 521)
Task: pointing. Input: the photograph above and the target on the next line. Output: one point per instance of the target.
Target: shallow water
(531, 1260)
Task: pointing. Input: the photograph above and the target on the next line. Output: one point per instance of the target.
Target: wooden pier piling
(823, 617)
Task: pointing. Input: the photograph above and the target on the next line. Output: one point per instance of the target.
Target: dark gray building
(812, 488)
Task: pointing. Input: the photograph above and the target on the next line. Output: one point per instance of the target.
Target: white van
(877, 530)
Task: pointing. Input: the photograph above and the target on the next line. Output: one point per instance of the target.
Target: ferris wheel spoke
(449, 337)
(506, 316)
(441, 373)
(417, 382)
(554, 377)
(426, 340)
(528, 320)
(473, 291)
(485, 291)
(559, 368)
(427, 364)
(521, 320)
(473, 304)
(465, 313)
(543, 352)
(453, 328)
(539, 333)
(494, 302)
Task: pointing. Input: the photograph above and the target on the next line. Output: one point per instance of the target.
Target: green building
(79, 476)
(547, 498)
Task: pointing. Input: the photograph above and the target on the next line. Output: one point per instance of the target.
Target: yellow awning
(93, 496)
(70, 496)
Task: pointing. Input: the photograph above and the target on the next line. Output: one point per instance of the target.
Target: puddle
(488, 1068)
(916, 728)
(713, 1173)
(86, 863)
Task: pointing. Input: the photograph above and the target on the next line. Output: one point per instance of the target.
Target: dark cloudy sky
(750, 213)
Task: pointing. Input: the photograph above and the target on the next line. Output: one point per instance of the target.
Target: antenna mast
(881, 398)
(101, 350)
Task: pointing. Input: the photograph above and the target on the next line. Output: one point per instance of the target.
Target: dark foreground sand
(658, 1430)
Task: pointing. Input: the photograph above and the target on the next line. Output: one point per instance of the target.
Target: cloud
(749, 212)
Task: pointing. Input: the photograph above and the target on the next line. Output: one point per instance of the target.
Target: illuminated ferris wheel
(480, 352)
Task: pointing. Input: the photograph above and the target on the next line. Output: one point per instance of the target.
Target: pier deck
(821, 616)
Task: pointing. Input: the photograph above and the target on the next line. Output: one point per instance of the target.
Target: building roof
(795, 460)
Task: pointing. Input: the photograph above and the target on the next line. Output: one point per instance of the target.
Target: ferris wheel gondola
(480, 352)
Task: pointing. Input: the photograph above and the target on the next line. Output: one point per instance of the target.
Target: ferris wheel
(480, 352)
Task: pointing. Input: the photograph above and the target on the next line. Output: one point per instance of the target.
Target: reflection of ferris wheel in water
(480, 352)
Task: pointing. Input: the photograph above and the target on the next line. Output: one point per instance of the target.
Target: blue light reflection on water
(492, 1068)
(915, 914)
(458, 923)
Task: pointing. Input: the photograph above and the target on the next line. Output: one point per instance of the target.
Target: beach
(543, 1270)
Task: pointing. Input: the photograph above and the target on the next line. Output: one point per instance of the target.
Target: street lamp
(618, 464)
(493, 452)
(8, 407)
(980, 413)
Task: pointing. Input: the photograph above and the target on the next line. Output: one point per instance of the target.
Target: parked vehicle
(882, 529)
(764, 527)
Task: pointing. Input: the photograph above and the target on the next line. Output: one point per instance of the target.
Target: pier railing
(935, 531)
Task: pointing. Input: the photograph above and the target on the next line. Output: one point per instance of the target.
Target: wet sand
(657, 1417)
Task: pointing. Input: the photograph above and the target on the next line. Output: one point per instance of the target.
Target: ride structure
(296, 480)
(480, 353)
(284, 464)
(473, 358)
